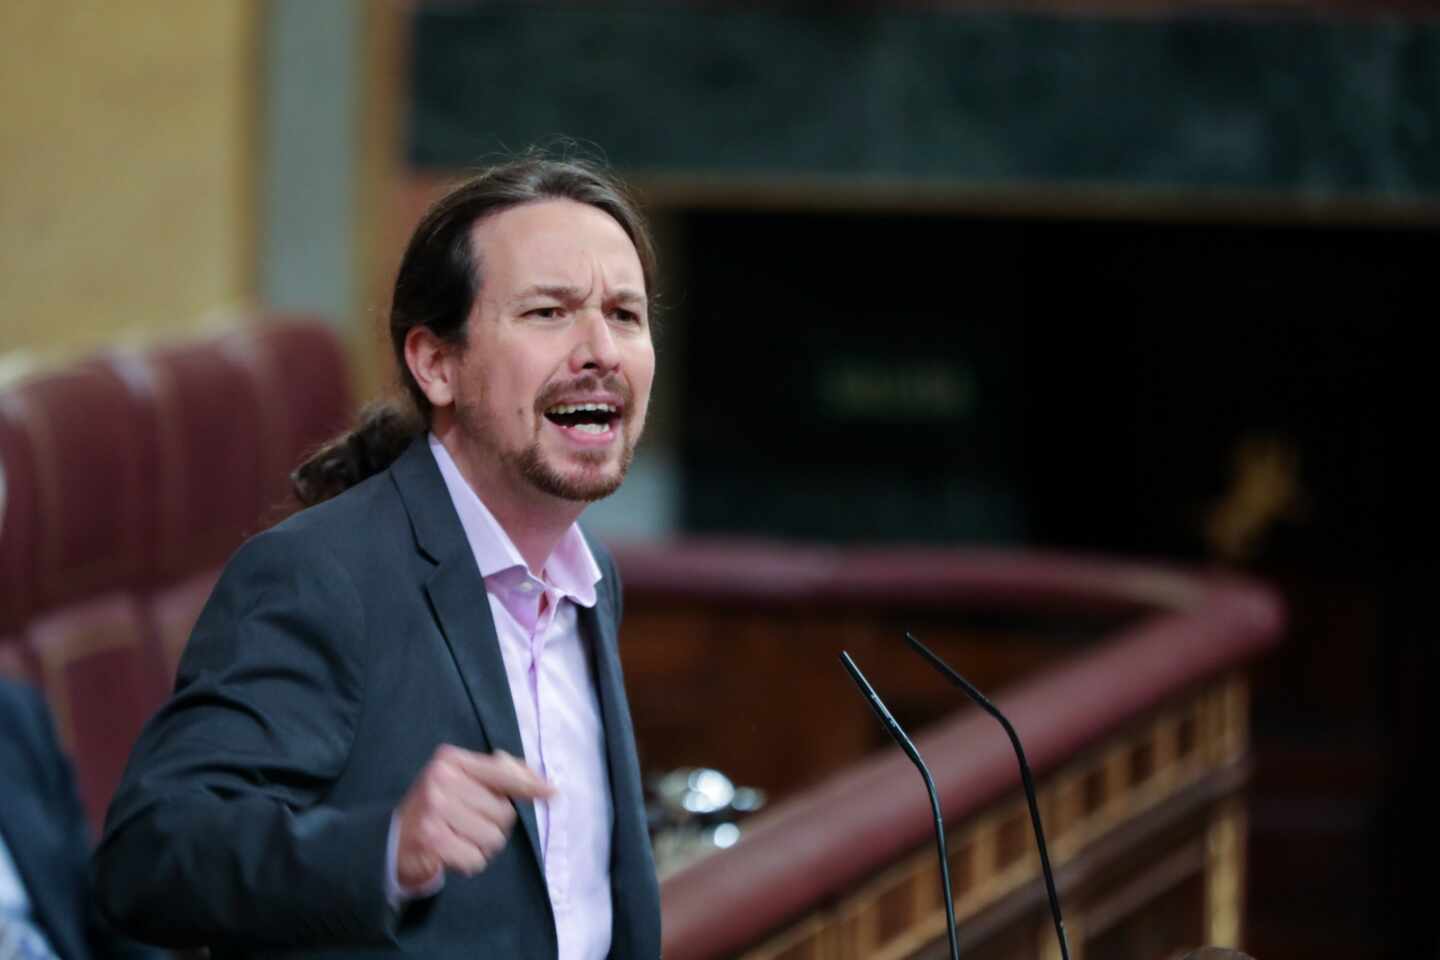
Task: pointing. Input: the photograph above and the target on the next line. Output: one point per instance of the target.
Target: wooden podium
(1127, 685)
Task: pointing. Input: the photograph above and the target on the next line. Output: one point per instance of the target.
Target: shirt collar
(570, 569)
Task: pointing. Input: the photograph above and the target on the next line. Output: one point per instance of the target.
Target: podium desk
(1127, 684)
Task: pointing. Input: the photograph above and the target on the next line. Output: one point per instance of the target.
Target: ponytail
(383, 432)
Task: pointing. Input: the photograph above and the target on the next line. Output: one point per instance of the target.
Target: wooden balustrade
(1127, 685)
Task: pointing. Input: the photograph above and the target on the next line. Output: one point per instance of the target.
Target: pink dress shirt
(556, 706)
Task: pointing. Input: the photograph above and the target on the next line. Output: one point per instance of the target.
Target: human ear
(432, 363)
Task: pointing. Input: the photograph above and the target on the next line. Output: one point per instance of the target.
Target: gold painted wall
(127, 169)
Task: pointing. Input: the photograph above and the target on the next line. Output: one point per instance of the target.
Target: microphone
(1029, 783)
(893, 728)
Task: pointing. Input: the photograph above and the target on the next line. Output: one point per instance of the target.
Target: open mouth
(591, 418)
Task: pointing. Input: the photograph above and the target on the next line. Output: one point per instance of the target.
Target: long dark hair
(436, 285)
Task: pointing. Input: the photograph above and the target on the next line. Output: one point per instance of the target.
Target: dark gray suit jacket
(337, 652)
(44, 829)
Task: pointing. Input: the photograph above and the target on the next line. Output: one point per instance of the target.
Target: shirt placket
(527, 597)
(556, 859)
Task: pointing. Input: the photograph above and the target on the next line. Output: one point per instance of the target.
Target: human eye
(550, 312)
(628, 317)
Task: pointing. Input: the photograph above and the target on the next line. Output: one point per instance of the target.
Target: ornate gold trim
(1225, 875)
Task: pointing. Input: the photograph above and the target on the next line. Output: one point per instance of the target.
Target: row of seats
(125, 482)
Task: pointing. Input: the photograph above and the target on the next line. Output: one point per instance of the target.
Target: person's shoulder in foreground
(46, 901)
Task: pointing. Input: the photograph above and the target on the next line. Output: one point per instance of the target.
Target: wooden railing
(1135, 723)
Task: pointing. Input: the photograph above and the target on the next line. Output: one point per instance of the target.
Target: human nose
(595, 349)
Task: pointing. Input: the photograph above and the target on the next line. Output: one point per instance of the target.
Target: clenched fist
(457, 814)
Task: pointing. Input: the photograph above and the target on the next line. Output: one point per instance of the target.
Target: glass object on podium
(693, 812)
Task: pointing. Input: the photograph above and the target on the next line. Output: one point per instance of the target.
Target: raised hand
(458, 814)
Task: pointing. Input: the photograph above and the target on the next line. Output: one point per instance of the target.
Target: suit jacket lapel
(464, 616)
(462, 609)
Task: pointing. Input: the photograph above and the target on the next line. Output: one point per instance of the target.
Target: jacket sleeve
(219, 833)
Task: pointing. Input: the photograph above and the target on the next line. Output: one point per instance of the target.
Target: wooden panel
(1149, 855)
(1134, 738)
(762, 696)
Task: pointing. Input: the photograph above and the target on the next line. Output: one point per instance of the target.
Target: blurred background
(1128, 278)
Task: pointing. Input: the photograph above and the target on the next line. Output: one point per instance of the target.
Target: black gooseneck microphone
(893, 728)
(1029, 782)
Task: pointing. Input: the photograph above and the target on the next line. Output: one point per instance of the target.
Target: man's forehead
(554, 236)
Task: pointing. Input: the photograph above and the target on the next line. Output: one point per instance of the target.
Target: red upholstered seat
(304, 388)
(129, 479)
(102, 682)
(16, 663)
(18, 516)
(92, 448)
(207, 494)
(173, 612)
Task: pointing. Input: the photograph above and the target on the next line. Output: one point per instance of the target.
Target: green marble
(1304, 108)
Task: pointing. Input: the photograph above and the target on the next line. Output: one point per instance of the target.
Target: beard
(591, 481)
(587, 486)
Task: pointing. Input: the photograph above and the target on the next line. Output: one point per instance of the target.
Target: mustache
(587, 383)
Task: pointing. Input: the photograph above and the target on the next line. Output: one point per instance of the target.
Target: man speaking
(400, 724)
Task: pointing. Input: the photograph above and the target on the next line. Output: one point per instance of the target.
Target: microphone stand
(1029, 783)
(893, 728)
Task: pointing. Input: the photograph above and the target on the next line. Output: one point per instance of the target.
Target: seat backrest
(102, 681)
(208, 465)
(91, 451)
(128, 479)
(304, 388)
(18, 517)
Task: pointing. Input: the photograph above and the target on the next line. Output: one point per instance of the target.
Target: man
(46, 908)
(337, 773)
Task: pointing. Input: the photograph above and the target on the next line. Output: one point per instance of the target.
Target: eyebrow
(625, 295)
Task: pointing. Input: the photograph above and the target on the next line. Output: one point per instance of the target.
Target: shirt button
(526, 586)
